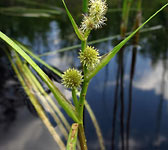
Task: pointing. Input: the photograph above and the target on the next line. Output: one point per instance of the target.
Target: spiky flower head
(72, 78)
(87, 23)
(96, 15)
(89, 57)
(98, 8)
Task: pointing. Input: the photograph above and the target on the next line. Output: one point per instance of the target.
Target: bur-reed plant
(125, 16)
(75, 80)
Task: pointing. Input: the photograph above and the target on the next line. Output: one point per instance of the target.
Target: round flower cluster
(89, 57)
(96, 15)
(72, 78)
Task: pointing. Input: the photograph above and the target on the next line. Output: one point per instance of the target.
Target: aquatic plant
(125, 16)
(91, 62)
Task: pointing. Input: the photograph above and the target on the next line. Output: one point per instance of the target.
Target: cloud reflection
(154, 79)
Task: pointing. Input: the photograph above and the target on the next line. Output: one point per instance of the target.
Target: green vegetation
(77, 82)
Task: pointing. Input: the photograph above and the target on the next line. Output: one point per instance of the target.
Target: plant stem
(125, 16)
(80, 108)
(83, 45)
(137, 22)
(82, 138)
(82, 99)
(85, 6)
(75, 99)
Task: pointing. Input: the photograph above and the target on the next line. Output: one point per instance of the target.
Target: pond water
(128, 97)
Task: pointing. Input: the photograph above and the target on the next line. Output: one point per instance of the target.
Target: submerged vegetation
(76, 81)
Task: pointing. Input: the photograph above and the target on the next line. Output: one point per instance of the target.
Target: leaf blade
(68, 107)
(29, 12)
(72, 139)
(38, 59)
(37, 106)
(113, 52)
(77, 31)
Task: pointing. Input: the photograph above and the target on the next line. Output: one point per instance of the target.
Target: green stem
(139, 5)
(82, 99)
(125, 16)
(83, 45)
(85, 6)
(82, 138)
(75, 99)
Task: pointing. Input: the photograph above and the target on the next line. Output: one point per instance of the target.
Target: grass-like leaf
(77, 31)
(112, 53)
(96, 125)
(65, 104)
(70, 48)
(35, 3)
(29, 12)
(27, 50)
(93, 118)
(27, 87)
(85, 6)
(72, 139)
(41, 90)
(43, 97)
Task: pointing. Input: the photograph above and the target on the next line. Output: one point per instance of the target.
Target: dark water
(129, 96)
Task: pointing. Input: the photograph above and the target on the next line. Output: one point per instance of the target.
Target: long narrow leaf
(29, 12)
(38, 59)
(157, 27)
(112, 53)
(37, 106)
(35, 3)
(96, 125)
(93, 118)
(77, 31)
(72, 139)
(37, 88)
(66, 105)
(42, 91)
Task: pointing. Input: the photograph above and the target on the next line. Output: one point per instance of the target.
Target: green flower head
(89, 57)
(72, 78)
